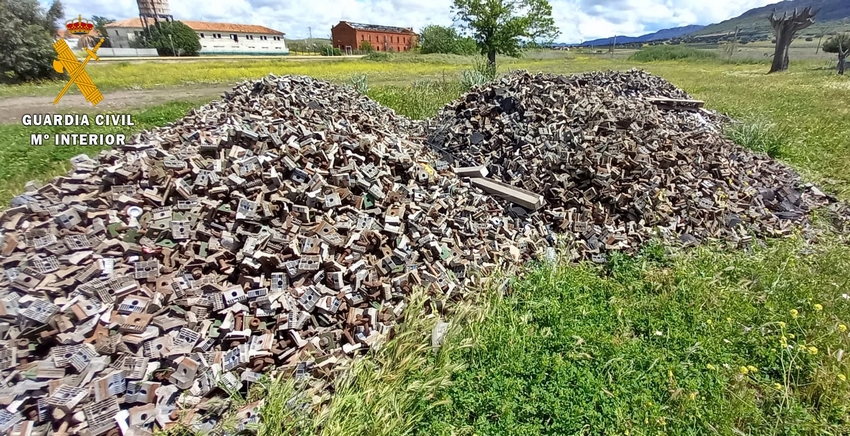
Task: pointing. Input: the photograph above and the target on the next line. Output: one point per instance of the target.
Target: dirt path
(13, 108)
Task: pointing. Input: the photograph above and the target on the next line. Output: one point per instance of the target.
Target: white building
(216, 38)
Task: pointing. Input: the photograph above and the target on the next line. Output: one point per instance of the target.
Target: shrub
(377, 56)
(166, 37)
(831, 44)
(671, 53)
(366, 46)
(330, 51)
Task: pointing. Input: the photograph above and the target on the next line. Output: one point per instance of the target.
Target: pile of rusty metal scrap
(620, 157)
(281, 227)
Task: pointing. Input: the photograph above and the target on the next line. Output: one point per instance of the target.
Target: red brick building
(349, 36)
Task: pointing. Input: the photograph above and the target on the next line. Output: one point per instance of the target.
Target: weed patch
(759, 136)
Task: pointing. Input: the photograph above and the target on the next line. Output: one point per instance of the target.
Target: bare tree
(840, 44)
(785, 28)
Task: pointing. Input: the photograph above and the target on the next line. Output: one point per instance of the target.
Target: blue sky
(577, 19)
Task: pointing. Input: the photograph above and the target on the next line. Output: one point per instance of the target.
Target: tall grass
(759, 136)
(421, 99)
(671, 53)
(482, 72)
(385, 393)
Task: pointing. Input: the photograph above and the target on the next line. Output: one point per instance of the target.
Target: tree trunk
(780, 53)
(491, 57)
(785, 28)
(842, 57)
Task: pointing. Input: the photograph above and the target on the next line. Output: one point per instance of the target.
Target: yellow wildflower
(842, 327)
(818, 307)
(708, 321)
(791, 335)
(777, 386)
(744, 370)
(784, 342)
(842, 377)
(710, 367)
(752, 368)
(813, 350)
(794, 313)
(693, 396)
(782, 324)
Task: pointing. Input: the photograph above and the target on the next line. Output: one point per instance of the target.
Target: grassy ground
(697, 343)
(663, 343)
(22, 162)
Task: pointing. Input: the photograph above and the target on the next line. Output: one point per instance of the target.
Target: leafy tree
(502, 26)
(366, 46)
(839, 44)
(442, 39)
(100, 25)
(26, 40)
(182, 39)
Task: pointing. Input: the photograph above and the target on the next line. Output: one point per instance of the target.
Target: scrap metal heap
(621, 157)
(282, 227)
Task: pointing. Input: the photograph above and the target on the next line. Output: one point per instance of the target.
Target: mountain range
(660, 35)
(833, 15)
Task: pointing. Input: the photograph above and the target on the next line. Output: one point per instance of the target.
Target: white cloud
(577, 19)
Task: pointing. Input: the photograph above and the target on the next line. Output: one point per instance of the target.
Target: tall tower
(151, 11)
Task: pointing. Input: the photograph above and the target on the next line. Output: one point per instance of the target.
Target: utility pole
(613, 45)
(817, 49)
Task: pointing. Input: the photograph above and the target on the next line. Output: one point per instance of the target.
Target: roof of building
(378, 28)
(66, 34)
(206, 26)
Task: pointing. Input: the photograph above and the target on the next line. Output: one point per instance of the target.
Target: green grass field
(697, 342)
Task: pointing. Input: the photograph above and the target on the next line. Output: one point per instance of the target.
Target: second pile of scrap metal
(621, 157)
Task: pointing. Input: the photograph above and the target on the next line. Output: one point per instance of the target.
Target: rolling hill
(833, 15)
(660, 35)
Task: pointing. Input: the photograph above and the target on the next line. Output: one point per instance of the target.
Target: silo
(151, 11)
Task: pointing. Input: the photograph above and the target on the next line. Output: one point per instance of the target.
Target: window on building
(202, 35)
(116, 33)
